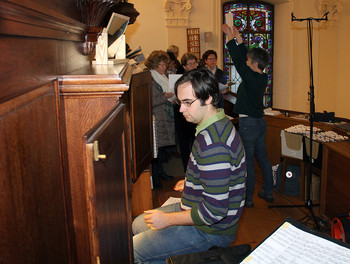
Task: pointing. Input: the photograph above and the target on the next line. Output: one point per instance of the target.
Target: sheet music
(229, 19)
(291, 245)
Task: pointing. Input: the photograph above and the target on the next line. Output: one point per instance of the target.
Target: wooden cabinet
(335, 179)
(38, 42)
(139, 117)
(279, 122)
(33, 224)
(109, 189)
(138, 102)
(93, 121)
(60, 204)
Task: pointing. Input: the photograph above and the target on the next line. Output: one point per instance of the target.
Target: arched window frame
(255, 21)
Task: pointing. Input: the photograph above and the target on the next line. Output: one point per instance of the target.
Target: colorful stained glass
(255, 22)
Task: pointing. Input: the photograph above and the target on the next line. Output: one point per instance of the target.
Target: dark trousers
(185, 139)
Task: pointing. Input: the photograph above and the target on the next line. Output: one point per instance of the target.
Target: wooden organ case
(69, 163)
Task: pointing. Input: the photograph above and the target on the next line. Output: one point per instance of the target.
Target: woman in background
(163, 111)
(172, 69)
(185, 131)
(176, 51)
(209, 60)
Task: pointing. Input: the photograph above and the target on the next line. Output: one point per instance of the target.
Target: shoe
(249, 204)
(267, 198)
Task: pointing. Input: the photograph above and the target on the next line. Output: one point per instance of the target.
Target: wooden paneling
(142, 194)
(33, 217)
(335, 180)
(36, 45)
(50, 98)
(38, 42)
(111, 195)
(88, 97)
(80, 113)
(139, 114)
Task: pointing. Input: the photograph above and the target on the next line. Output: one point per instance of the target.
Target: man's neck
(256, 69)
(211, 111)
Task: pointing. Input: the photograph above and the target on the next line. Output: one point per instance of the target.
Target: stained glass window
(255, 22)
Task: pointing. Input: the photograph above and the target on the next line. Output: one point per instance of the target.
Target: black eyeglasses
(185, 103)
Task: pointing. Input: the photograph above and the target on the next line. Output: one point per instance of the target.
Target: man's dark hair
(204, 84)
(260, 56)
(207, 53)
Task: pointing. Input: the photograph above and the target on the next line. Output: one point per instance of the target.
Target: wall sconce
(208, 37)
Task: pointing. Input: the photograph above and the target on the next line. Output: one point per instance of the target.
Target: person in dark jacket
(252, 126)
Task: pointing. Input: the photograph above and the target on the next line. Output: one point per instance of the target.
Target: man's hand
(179, 186)
(228, 31)
(232, 33)
(156, 219)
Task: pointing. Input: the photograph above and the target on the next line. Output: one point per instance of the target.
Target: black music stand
(308, 202)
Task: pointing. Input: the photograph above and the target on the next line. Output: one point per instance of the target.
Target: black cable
(317, 222)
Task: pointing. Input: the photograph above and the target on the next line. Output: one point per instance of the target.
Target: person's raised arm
(232, 33)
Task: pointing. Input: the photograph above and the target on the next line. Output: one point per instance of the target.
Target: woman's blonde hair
(174, 49)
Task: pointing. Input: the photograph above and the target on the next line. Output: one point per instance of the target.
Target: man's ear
(209, 100)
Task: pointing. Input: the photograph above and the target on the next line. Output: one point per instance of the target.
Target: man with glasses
(213, 190)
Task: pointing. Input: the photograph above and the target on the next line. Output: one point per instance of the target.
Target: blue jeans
(253, 134)
(155, 246)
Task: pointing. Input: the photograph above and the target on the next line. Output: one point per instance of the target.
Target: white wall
(149, 30)
(291, 67)
(151, 33)
(330, 56)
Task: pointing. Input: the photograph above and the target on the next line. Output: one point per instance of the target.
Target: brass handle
(101, 156)
(97, 155)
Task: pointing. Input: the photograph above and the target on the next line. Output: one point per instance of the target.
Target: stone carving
(177, 12)
(334, 7)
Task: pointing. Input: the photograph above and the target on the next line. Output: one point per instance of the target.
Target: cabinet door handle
(97, 155)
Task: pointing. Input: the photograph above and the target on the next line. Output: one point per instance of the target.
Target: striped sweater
(214, 188)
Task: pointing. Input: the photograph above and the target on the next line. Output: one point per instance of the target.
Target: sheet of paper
(172, 80)
(229, 19)
(291, 245)
(171, 200)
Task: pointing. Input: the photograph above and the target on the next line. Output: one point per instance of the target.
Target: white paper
(229, 19)
(172, 80)
(171, 200)
(291, 245)
(222, 87)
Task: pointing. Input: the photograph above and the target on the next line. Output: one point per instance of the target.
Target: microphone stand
(311, 96)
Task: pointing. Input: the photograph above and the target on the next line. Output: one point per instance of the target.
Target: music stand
(308, 202)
